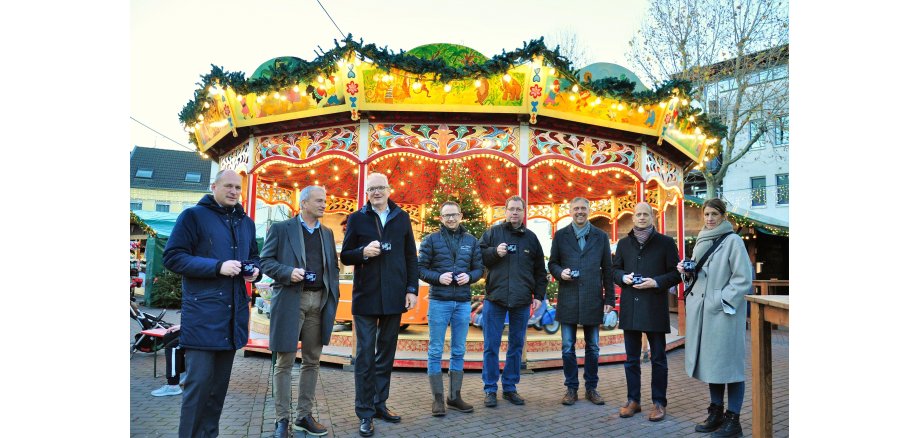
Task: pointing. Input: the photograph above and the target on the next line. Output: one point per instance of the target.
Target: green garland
(283, 75)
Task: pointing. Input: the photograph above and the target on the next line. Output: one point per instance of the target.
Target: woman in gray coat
(716, 318)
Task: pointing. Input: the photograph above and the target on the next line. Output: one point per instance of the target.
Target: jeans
(205, 389)
(493, 324)
(311, 346)
(735, 395)
(440, 314)
(633, 343)
(570, 362)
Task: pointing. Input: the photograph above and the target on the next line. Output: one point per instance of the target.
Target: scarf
(642, 234)
(581, 233)
(706, 237)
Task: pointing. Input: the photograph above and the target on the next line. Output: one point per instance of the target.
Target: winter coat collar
(369, 209)
(208, 201)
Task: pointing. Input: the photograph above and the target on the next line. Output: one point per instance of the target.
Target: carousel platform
(541, 350)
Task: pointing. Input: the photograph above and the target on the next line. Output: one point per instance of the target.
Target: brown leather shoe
(571, 396)
(630, 409)
(657, 413)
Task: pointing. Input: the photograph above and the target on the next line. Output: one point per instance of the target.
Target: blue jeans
(440, 314)
(570, 362)
(493, 324)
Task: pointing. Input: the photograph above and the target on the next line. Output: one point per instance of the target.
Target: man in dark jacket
(208, 247)
(449, 260)
(580, 260)
(515, 284)
(380, 244)
(299, 254)
(644, 305)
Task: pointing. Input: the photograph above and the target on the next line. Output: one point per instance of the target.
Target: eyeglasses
(377, 189)
(450, 215)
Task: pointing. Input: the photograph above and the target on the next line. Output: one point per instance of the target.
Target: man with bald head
(645, 267)
(380, 244)
(209, 247)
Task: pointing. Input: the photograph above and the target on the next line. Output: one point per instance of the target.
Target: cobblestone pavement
(249, 407)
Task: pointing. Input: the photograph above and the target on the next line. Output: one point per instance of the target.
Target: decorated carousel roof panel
(354, 78)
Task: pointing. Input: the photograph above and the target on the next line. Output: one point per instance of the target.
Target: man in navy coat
(380, 244)
(208, 246)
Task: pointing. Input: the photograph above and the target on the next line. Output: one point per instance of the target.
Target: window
(193, 177)
(781, 131)
(755, 126)
(163, 206)
(144, 173)
(758, 191)
(782, 189)
(137, 204)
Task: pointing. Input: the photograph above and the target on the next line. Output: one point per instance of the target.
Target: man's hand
(411, 300)
(502, 249)
(680, 267)
(297, 275)
(231, 268)
(446, 278)
(608, 308)
(565, 274)
(628, 278)
(372, 249)
(535, 305)
(647, 283)
(253, 277)
(463, 278)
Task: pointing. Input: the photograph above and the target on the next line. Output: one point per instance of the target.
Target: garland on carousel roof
(284, 75)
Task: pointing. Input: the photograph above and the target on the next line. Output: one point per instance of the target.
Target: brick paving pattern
(249, 407)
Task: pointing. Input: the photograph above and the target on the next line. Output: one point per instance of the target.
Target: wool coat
(716, 313)
(447, 251)
(215, 307)
(381, 283)
(646, 310)
(581, 300)
(282, 253)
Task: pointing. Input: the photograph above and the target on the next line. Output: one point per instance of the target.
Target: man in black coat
(515, 284)
(644, 305)
(380, 244)
(580, 260)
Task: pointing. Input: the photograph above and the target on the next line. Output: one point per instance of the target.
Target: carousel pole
(522, 182)
(253, 181)
(681, 309)
(364, 130)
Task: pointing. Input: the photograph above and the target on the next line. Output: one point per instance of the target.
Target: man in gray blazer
(580, 261)
(299, 254)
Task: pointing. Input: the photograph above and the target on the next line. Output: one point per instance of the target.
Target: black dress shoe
(367, 427)
(513, 397)
(387, 415)
(281, 428)
(490, 401)
(309, 425)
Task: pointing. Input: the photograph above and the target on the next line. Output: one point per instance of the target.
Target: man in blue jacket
(515, 284)
(208, 247)
(380, 244)
(449, 260)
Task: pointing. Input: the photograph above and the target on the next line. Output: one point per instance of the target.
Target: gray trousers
(205, 389)
(311, 347)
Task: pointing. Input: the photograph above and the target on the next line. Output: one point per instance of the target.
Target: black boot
(731, 426)
(713, 421)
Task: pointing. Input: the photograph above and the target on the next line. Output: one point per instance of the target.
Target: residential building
(168, 180)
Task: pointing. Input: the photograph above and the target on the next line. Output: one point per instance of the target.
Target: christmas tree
(456, 184)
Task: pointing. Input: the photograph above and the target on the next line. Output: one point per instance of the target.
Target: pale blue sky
(174, 42)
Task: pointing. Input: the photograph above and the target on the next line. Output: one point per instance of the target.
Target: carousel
(442, 121)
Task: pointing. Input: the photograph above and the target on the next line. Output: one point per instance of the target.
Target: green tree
(456, 184)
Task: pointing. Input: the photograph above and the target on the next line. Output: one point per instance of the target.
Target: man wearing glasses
(449, 260)
(380, 244)
(515, 284)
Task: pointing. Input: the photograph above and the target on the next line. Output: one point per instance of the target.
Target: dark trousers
(656, 342)
(374, 361)
(205, 389)
(175, 358)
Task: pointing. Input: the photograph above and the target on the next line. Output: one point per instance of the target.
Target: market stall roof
(764, 224)
(157, 223)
